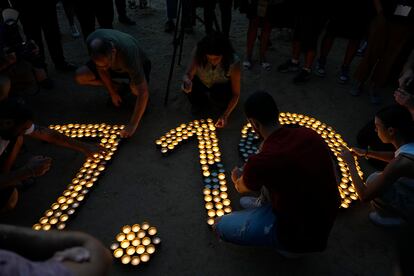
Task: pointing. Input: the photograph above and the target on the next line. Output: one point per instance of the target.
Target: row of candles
(57, 216)
(135, 243)
(215, 194)
(249, 141)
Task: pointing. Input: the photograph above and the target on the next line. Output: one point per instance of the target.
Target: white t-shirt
(5, 143)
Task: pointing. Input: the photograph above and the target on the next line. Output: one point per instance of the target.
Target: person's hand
(39, 165)
(116, 99)
(347, 156)
(358, 152)
(221, 122)
(402, 97)
(236, 173)
(187, 85)
(406, 79)
(91, 149)
(128, 131)
(75, 254)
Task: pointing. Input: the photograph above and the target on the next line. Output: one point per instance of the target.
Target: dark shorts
(117, 75)
(219, 95)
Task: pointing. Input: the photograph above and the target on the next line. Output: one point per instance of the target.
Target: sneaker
(247, 65)
(377, 219)
(288, 66)
(344, 76)
(169, 26)
(126, 20)
(249, 202)
(75, 32)
(302, 77)
(266, 66)
(320, 69)
(363, 46)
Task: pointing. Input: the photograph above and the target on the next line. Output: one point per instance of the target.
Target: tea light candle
(48, 213)
(64, 217)
(135, 260)
(141, 234)
(219, 212)
(53, 221)
(146, 241)
(227, 209)
(43, 220)
(150, 249)
(131, 236)
(210, 221)
(57, 213)
(140, 249)
(152, 231)
(55, 206)
(211, 213)
(145, 257)
(223, 195)
(46, 227)
(61, 226)
(217, 199)
(118, 253)
(126, 229)
(145, 226)
(208, 198)
(136, 242)
(226, 202)
(209, 205)
(156, 240)
(135, 228)
(37, 227)
(126, 259)
(114, 246)
(125, 243)
(130, 250)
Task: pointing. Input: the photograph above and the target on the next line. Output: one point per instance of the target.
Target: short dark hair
(400, 118)
(11, 109)
(99, 47)
(262, 107)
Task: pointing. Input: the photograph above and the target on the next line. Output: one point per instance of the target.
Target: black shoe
(46, 84)
(66, 67)
(288, 66)
(302, 77)
(169, 26)
(126, 20)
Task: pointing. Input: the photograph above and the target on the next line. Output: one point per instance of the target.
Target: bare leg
(326, 47)
(309, 58)
(264, 39)
(84, 76)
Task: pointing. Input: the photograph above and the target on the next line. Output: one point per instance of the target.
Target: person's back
(296, 167)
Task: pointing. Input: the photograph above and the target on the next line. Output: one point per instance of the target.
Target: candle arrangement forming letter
(135, 244)
(214, 178)
(66, 204)
(249, 142)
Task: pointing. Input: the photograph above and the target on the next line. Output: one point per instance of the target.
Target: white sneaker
(249, 202)
(377, 219)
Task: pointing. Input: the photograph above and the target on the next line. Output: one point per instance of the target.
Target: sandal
(266, 65)
(247, 65)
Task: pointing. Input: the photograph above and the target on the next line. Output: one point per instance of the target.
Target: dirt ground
(142, 185)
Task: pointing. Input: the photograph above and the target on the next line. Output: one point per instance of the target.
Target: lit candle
(226, 202)
(46, 227)
(209, 205)
(211, 213)
(150, 249)
(135, 260)
(219, 212)
(53, 221)
(37, 227)
(64, 217)
(219, 205)
(210, 221)
(48, 213)
(125, 243)
(114, 246)
(135, 228)
(55, 206)
(61, 226)
(126, 229)
(130, 250)
(146, 241)
(141, 234)
(136, 242)
(145, 257)
(152, 231)
(131, 236)
(120, 237)
(227, 209)
(145, 226)
(156, 240)
(125, 259)
(223, 195)
(140, 249)
(208, 198)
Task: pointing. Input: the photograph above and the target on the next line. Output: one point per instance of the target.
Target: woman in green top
(213, 76)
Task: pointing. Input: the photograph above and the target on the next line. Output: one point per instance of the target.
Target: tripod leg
(175, 43)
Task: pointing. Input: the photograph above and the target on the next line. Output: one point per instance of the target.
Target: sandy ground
(142, 185)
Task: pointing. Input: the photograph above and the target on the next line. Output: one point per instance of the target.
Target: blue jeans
(256, 227)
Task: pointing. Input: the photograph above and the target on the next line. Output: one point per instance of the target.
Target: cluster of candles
(215, 194)
(135, 244)
(249, 142)
(66, 204)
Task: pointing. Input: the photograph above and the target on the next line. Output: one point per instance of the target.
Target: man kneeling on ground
(295, 167)
(115, 54)
(15, 122)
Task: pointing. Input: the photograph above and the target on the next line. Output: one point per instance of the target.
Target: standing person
(342, 25)
(90, 11)
(213, 76)
(16, 122)
(392, 190)
(225, 12)
(122, 14)
(41, 17)
(296, 168)
(259, 13)
(70, 15)
(391, 30)
(186, 15)
(310, 19)
(24, 251)
(117, 54)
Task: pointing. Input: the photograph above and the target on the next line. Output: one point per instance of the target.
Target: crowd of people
(299, 199)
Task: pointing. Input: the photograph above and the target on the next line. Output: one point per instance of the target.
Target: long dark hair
(400, 118)
(215, 44)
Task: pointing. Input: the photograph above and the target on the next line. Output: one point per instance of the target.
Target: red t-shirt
(296, 167)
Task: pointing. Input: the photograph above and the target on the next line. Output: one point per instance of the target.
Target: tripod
(178, 41)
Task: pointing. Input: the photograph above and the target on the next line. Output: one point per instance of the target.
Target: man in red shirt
(296, 168)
